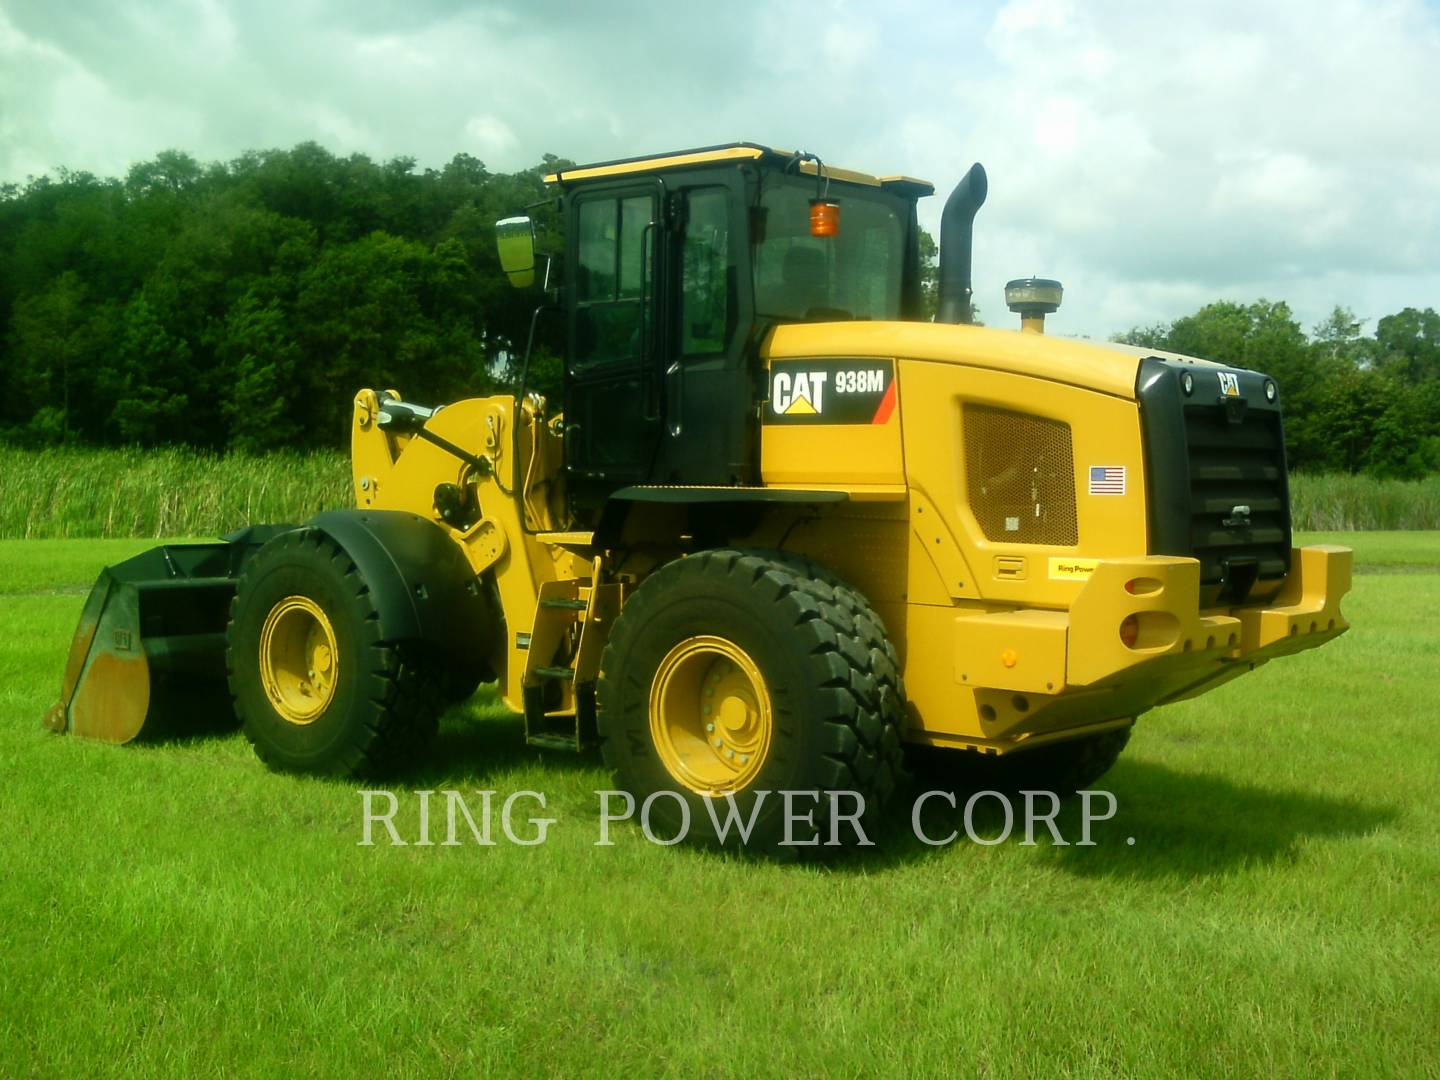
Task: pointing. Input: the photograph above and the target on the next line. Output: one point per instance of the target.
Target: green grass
(164, 492)
(53, 494)
(176, 909)
(1383, 552)
(1364, 503)
(33, 566)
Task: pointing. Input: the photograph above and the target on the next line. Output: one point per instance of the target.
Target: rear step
(563, 660)
(551, 698)
(571, 730)
(563, 604)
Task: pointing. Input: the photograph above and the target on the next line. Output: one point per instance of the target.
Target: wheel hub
(710, 715)
(298, 659)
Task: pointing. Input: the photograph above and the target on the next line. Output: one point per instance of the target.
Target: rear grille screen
(1020, 476)
(1239, 507)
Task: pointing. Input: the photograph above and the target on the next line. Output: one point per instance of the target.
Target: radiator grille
(1020, 476)
(1237, 465)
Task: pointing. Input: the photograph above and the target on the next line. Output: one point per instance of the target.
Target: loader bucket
(148, 658)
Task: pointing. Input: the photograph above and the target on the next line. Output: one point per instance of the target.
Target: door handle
(649, 408)
(675, 396)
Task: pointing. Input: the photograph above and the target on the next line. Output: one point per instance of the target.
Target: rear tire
(313, 683)
(803, 696)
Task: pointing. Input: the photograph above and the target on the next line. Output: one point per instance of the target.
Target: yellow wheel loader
(780, 527)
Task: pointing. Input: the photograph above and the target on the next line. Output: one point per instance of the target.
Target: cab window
(611, 251)
(858, 274)
(706, 280)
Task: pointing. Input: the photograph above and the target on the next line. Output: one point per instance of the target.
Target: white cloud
(1153, 157)
(1156, 158)
(491, 134)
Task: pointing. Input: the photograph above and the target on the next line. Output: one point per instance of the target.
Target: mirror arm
(529, 349)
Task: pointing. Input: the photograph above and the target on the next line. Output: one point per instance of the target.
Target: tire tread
(858, 694)
(401, 693)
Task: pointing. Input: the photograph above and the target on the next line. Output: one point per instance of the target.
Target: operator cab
(676, 267)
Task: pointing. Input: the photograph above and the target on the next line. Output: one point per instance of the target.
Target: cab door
(710, 384)
(615, 314)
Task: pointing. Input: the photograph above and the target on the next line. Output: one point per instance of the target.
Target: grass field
(1364, 503)
(176, 909)
(168, 491)
(173, 491)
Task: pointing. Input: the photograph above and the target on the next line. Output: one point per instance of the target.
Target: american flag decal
(1107, 479)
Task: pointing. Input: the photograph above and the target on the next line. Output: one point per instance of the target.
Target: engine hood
(1106, 367)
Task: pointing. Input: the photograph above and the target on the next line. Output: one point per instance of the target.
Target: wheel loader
(781, 531)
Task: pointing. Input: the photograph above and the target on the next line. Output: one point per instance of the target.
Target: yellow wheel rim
(710, 715)
(298, 659)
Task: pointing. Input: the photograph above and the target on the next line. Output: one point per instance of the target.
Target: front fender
(422, 585)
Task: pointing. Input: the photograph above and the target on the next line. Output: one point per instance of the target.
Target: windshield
(858, 274)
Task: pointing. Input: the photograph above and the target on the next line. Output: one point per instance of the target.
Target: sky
(1152, 156)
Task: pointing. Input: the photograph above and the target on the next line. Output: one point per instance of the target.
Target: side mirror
(515, 240)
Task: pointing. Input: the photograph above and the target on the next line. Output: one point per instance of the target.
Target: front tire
(749, 674)
(314, 685)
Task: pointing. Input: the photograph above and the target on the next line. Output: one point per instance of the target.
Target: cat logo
(1229, 384)
(831, 391)
(799, 393)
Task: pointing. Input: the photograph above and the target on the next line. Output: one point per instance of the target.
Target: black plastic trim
(1238, 438)
(422, 585)
(691, 495)
(716, 512)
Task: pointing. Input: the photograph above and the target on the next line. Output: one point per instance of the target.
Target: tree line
(238, 304)
(1353, 402)
(235, 305)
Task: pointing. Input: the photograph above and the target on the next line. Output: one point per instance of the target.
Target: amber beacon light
(824, 217)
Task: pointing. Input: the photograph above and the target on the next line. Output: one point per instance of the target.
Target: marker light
(1187, 383)
(1143, 586)
(824, 217)
(1130, 631)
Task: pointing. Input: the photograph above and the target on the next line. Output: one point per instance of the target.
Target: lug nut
(709, 727)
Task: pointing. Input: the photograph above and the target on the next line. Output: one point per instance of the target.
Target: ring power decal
(1072, 569)
(859, 391)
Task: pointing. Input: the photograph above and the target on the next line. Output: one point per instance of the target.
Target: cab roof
(740, 151)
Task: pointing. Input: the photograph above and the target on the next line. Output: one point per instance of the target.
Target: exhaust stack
(956, 233)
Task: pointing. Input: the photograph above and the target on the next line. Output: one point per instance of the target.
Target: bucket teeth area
(148, 655)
